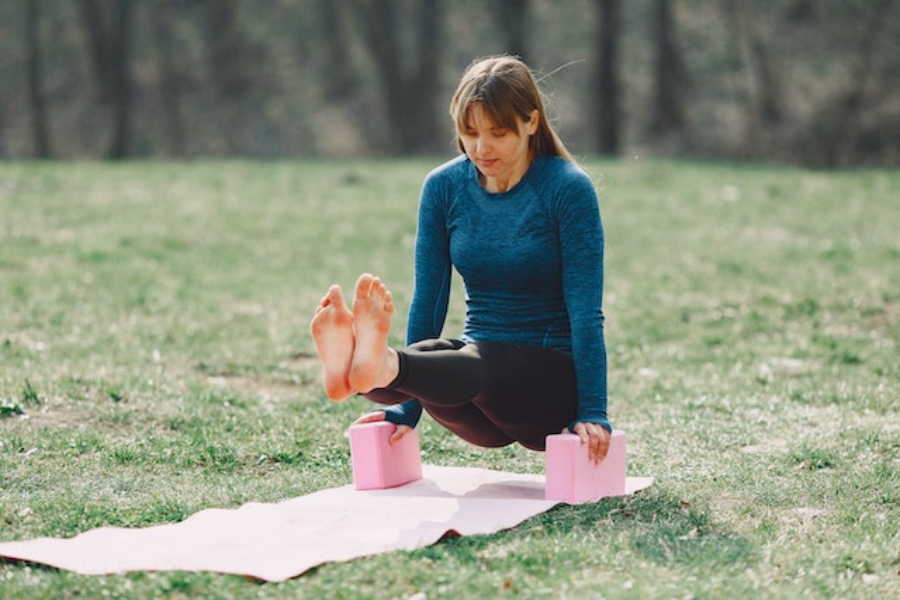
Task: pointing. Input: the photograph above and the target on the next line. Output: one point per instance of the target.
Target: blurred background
(807, 82)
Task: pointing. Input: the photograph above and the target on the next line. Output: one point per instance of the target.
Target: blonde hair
(509, 94)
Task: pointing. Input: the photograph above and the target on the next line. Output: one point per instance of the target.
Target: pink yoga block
(377, 464)
(573, 478)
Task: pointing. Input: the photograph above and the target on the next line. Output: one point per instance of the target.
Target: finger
(371, 417)
(582, 431)
(398, 434)
(602, 447)
(594, 452)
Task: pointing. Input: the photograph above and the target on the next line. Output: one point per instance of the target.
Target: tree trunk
(161, 22)
(423, 89)
(337, 81)
(851, 103)
(227, 56)
(512, 17)
(668, 102)
(92, 18)
(380, 33)
(801, 11)
(764, 97)
(408, 91)
(608, 90)
(39, 119)
(120, 49)
(109, 34)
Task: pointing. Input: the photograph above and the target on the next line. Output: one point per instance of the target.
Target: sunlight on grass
(155, 362)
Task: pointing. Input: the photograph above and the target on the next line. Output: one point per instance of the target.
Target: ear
(532, 125)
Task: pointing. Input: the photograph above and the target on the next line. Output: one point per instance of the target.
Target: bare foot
(332, 332)
(373, 362)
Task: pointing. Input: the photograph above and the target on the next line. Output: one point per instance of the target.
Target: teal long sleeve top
(531, 259)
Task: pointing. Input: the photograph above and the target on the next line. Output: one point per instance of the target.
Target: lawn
(155, 361)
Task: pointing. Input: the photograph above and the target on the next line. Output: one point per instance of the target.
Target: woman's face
(500, 154)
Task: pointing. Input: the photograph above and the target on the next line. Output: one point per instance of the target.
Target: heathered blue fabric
(532, 262)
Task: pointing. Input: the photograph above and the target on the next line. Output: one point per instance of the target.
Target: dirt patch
(886, 319)
(300, 371)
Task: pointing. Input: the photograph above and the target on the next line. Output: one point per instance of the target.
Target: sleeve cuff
(407, 413)
(601, 422)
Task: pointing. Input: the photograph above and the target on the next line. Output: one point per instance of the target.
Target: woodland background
(808, 82)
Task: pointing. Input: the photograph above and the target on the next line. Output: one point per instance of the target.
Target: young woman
(520, 221)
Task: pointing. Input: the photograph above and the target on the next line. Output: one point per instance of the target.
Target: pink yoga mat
(279, 541)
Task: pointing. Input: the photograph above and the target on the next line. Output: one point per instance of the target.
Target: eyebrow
(495, 127)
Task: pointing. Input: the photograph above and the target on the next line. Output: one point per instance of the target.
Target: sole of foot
(332, 331)
(372, 313)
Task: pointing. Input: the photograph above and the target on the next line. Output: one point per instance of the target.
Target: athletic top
(531, 259)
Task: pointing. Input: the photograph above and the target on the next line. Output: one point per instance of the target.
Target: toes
(379, 291)
(364, 285)
(336, 297)
(369, 287)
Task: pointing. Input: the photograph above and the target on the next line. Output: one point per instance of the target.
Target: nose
(482, 146)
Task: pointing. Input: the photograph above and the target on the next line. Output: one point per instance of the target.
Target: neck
(497, 185)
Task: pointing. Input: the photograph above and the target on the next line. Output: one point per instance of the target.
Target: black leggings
(490, 394)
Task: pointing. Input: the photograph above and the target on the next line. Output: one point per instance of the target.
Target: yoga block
(573, 478)
(377, 464)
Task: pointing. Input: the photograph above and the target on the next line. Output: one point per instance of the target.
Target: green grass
(154, 362)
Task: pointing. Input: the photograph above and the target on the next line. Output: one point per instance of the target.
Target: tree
(802, 81)
(338, 79)
(669, 73)
(408, 79)
(236, 66)
(109, 32)
(512, 17)
(171, 75)
(841, 118)
(93, 19)
(121, 91)
(763, 88)
(40, 129)
(231, 60)
(608, 89)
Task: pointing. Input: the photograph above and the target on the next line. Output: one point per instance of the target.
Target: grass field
(154, 361)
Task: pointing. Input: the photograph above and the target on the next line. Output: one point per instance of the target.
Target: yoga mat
(278, 541)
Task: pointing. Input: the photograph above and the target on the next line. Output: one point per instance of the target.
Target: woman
(520, 221)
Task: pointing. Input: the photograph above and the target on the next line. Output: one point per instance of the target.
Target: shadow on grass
(669, 531)
(658, 527)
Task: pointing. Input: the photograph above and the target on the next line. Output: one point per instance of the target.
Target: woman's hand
(379, 415)
(596, 436)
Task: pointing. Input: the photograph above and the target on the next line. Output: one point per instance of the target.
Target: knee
(433, 344)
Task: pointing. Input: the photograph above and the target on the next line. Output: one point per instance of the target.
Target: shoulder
(561, 172)
(450, 172)
(442, 185)
(565, 182)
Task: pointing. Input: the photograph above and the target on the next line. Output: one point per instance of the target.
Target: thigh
(531, 391)
(469, 423)
(446, 375)
(401, 394)
(440, 372)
